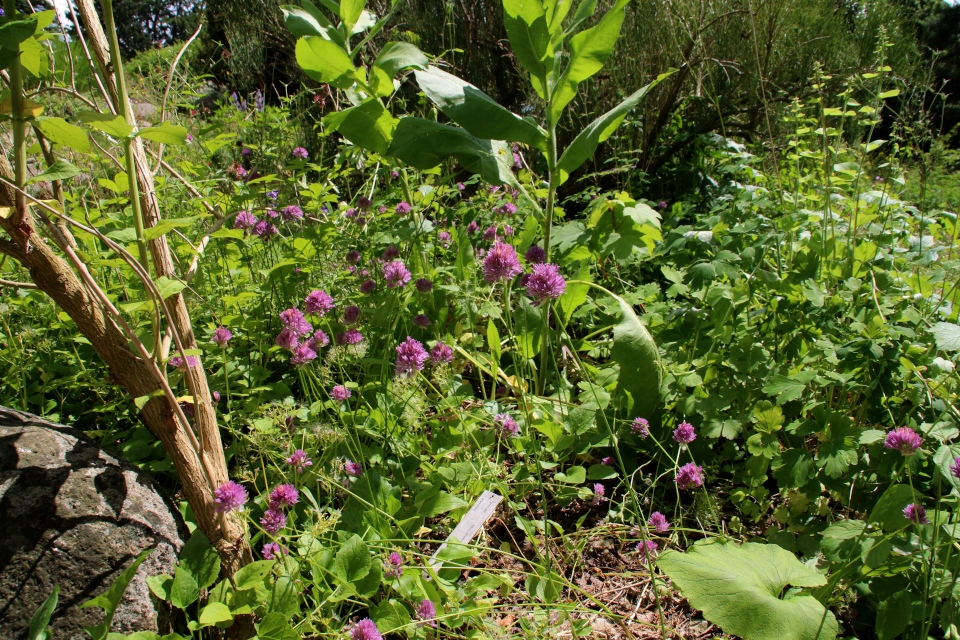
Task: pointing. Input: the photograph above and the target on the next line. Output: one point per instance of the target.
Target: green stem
(19, 124)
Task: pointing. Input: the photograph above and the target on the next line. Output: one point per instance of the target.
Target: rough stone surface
(73, 515)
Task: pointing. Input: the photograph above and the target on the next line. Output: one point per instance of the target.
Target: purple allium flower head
(351, 213)
(216, 396)
(364, 203)
(598, 493)
(368, 286)
(302, 355)
(340, 393)
(229, 496)
(221, 336)
(318, 302)
(608, 461)
(461, 186)
(293, 319)
(411, 357)
(473, 227)
(684, 434)
(396, 275)
(284, 495)
(424, 285)
(350, 336)
(647, 548)
(403, 208)
(273, 521)
(508, 208)
(690, 476)
(490, 235)
(501, 263)
(292, 212)
(904, 439)
(441, 354)
(507, 230)
(299, 460)
(264, 230)
(189, 135)
(272, 551)
(246, 153)
(421, 320)
(507, 426)
(288, 339)
(916, 513)
(245, 220)
(535, 254)
(272, 214)
(955, 468)
(351, 314)
(352, 468)
(426, 611)
(353, 256)
(301, 153)
(236, 171)
(273, 195)
(658, 522)
(390, 253)
(318, 340)
(178, 363)
(393, 567)
(444, 238)
(366, 629)
(640, 427)
(662, 204)
(545, 283)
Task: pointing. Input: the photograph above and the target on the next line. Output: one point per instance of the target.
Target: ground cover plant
(741, 402)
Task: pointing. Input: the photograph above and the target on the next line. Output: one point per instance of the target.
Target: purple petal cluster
(229, 496)
(273, 521)
(658, 522)
(423, 285)
(507, 426)
(955, 468)
(284, 495)
(684, 433)
(442, 354)
(535, 254)
(501, 263)
(178, 362)
(264, 230)
(293, 319)
(221, 336)
(351, 314)
(301, 153)
(292, 212)
(299, 460)
(545, 283)
(366, 629)
(403, 209)
(272, 551)
(352, 468)
(421, 320)
(393, 567)
(916, 513)
(904, 439)
(598, 493)
(302, 355)
(288, 339)
(426, 611)
(350, 336)
(368, 286)
(353, 256)
(245, 220)
(340, 393)
(690, 476)
(411, 357)
(318, 340)
(318, 302)
(641, 427)
(396, 274)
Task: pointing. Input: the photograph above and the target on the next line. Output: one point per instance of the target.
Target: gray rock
(75, 516)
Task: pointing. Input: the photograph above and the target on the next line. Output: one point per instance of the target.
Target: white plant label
(472, 522)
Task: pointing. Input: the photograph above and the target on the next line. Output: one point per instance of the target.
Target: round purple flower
(366, 629)
(318, 340)
(273, 195)
(364, 203)
(647, 548)
(245, 220)
(221, 336)
(442, 354)
(473, 227)
(658, 522)
(403, 209)
(508, 208)
(608, 461)
(368, 286)
(396, 275)
(390, 253)
(351, 314)
(545, 283)
(301, 153)
(264, 230)
(904, 439)
(689, 476)
(272, 214)
(955, 468)
(293, 319)
(444, 238)
(352, 468)
(507, 426)
(246, 153)
(229, 496)
(426, 611)
(461, 186)
(288, 339)
(421, 320)
(292, 212)
(662, 204)
(273, 521)
(424, 285)
(216, 396)
(393, 567)
(350, 336)
(178, 363)
(490, 235)
(411, 357)
(353, 256)
(318, 303)
(535, 254)
(598, 494)
(640, 427)
(302, 355)
(272, 551)
(340, 393)
(284, 495)
(684, 434)
(916, 513)
(299, 460)
(236, 171)
(501, 263)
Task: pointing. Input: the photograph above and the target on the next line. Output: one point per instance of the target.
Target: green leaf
(59, 170)
(639, 359)
(167, 288)
(389, 615)
(59, 131)
(160, 586)
(111, 599)
(166, 133)
(41, 618)
(184, 591)
(586, 143)
(888, 512)
(573, 475)
(350, 11)
(367, 125)
(601, 472)
(310, 21)
(893, 615)
(528, 328)
(110, 124)
(493, 340)
(284, 597)
(475, 111)
(198, 557)
(432, 502)
(16, 31)
(944, 458)
(790, 388)
(164, 226)
(529, 34)
(396, 56)
(251, 575)
(843, 541)
(425, 144)
(213, 613)
(890, 94)
(274, 626)
(947, 335)
(324, 61)
(352, 561)
(589, 51)
(739, 587)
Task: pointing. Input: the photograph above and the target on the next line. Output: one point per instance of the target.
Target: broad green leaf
(59, 170)
(284, 597)
(324, 61)
(893, 614)
(16, 31)
(274, 626)
(493, 340)
(61, 132)
(213, 613)
(389, 615)
(160, 586)
(475, 111)
(353, 560)
(947, 335)
(944, 458)
(639, 359)
(169, 287)
(198, 557)
(585, 11)
(842, 541)
(111, 599)
(110, 124)
(573, 475)
(393, 58)
(425, 144)
(739, 589)
(165, 226)
(350, 11)
(41, 618)
(368, 125)
(555, 11)
(432, 502)
(307, 21)
(529, 34)
(888, 512)
(251, 575)
(165, 133)
(586, 143)
(589, 51)
(575, 294)
(601, 472)
(528, 330)
(184, 591)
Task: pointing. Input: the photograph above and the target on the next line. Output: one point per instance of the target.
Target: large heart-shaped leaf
(529, 35)
(368, 125)
(739, 588)
(324, 61)
(639, 359)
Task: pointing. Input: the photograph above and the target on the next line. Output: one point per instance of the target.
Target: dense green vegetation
(690, 296)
